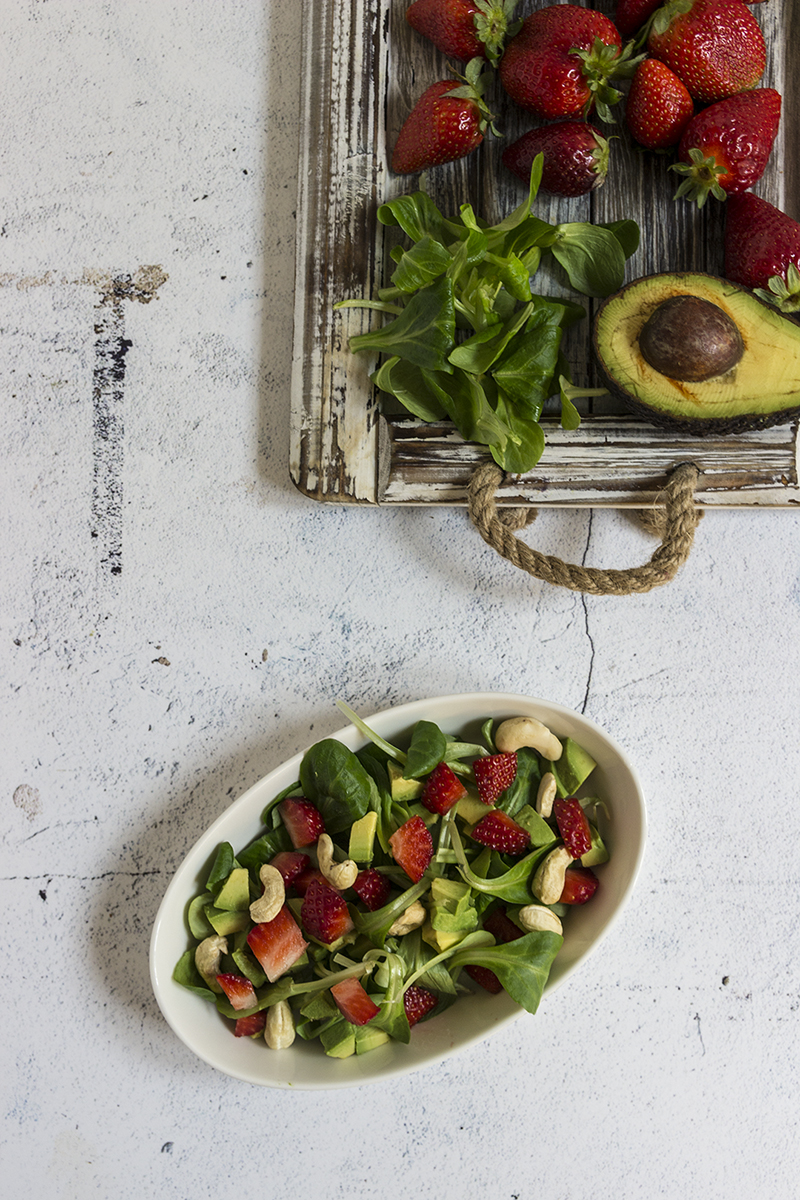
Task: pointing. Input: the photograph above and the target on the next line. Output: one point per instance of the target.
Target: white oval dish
(305, 1065)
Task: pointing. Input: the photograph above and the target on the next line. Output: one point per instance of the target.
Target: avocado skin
(710, 287)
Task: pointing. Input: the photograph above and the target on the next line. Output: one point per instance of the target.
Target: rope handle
(677, 535)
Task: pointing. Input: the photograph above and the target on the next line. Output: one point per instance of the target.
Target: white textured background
(137, 705)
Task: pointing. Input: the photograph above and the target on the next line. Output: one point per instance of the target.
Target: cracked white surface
(137, 706)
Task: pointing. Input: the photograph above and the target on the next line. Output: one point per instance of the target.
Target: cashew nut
(340, 875)
(548, 882)
(279, 1029)
(537, 917)
(272, 899)
(546, 794)
(413, 918)
(207, 959)
(526, 731)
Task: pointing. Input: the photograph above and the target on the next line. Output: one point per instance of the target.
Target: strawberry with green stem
(725, 147)
(762, 250)
(464, 29)
(448, 122)
(715, 46)
(575, 157)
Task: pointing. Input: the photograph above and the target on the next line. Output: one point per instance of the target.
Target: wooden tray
(363, 67)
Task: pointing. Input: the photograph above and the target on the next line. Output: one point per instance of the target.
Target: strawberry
(324, 914)
(501, 927)
(442, 789)
(418, 1002)
(631, 15)
(572, 825)
(725, 147)
(561, 62)
(239, 991)
(302, 820)
(498, 830)
(447, 122)
(486, 978)
(277, 944)
(495, 772)
(372, 888)
(250, 1026)
(353, 1002)
(575, 159)
(715, 46)
(290, 863)
(762, 250)
(302, 881)
(463, 29)
(580, 884)
(412, 847)
(658, 107)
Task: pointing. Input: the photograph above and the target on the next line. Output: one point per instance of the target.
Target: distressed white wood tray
(363, 69)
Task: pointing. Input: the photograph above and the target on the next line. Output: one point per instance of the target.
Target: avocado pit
(690, 339)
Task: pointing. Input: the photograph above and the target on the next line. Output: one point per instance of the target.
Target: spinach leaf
(188, 976)
(335, 781)
(417, 390)
(426, 750)
(526, 783)
(224, 863)
(417, 215)
(419, 266)
(423, 333)
(592, 257)
(522, 966)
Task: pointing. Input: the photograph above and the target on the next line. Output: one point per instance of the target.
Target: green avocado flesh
(761, 388)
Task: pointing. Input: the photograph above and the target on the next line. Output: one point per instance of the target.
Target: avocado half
(760, 389)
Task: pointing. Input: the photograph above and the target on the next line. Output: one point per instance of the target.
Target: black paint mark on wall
(108, 405)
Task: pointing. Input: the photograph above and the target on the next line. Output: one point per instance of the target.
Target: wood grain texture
(363, 69)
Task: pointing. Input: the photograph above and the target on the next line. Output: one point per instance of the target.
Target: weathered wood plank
(363, 69)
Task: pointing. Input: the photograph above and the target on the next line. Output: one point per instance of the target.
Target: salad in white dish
(389, 881)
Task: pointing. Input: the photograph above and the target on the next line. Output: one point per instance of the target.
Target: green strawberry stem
(601, 65)
(783, 294)
(702, 178)
(493, 25)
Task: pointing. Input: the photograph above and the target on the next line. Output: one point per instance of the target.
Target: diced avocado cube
(362, 838)
(198, 922)
(402, 788)
(598, 852)
(452, 907)
(235, 891)
(225, 921)
(319, 1006)
(439, 939)
(573, 768)
(339, 1041)
(368, 1038)
(471, 809)
(534, 824)
(245, 961)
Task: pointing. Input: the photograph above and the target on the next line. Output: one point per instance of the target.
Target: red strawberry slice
(277, 944)
(412, 848)
(250, 1026)
(486, 978)
(580, 884)
(239, 991)
(501, 927)
(372, 888)
(290, 863)
(418, 1002)
(324, 914)
(572, 825)
(302, 821)
(442, 789)
(353, 1002)
(498, 831)
(307, 876)
(495, 772)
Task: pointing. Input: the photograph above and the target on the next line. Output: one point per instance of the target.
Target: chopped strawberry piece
(250, 1026)
(412, 847)
(353, 1002)
(418, 1002)
(493, 774)
(277, 944)
(290, 863)
(498, 831)
(302, 820)
(486, 978)
(372, 888)
(442, 789)
(239, 991)
(501, 927)
(580, 884)
(325, 915)
(572, 825)
(306, 877)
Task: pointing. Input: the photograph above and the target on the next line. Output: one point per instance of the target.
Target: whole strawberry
(715, 46)
(448, 122)
(561, 62)
(762, 250)
(575, 157)
(725, 147)
(463, 29)
(658, 107)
